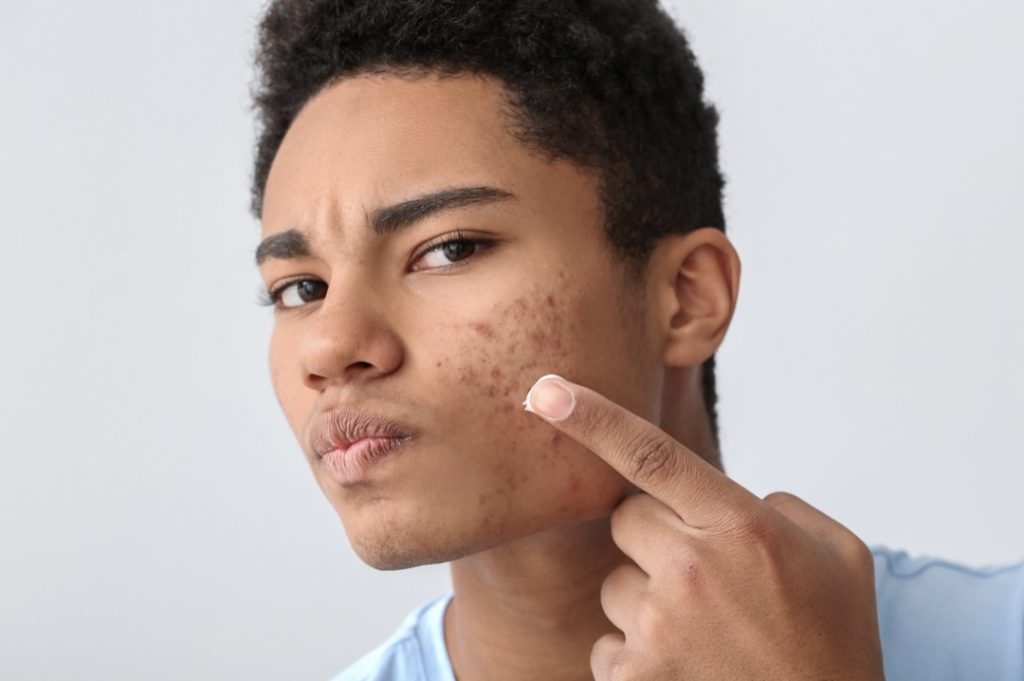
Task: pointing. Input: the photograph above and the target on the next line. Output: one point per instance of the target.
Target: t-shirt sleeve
(942, 621)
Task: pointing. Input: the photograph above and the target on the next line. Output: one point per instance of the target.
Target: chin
(398, 542)
(398, 556)
(410, 536)
(401, 549)
(391, 544)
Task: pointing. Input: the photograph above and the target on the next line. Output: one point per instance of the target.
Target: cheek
(498, 357)
(530, 467)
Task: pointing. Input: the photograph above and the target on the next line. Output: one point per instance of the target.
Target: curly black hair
(610, 85)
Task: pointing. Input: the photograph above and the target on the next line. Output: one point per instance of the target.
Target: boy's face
(449, 354)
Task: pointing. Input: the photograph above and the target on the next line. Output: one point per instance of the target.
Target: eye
(452, 250)
(294, 293)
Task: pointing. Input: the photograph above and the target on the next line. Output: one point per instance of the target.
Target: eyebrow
(292, 243)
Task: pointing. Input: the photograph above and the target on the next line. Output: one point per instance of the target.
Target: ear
(693, 282)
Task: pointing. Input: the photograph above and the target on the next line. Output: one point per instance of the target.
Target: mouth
(354, 462)
(349, 442)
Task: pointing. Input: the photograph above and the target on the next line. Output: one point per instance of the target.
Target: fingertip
(550, 397)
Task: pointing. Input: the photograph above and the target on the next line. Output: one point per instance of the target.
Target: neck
(531, 609)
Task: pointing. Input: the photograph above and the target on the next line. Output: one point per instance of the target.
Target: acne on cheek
(519, 341)
(511, 349)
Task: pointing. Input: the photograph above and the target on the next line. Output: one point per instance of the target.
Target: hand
(725, 585)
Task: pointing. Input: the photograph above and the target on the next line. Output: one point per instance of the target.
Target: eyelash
(273, 297)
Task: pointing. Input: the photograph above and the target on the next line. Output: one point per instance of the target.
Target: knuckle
(858, 554)
(621, 670)
(612, 582)
(624, 516)
(652, 620)
(851, 549)
(631, 506)
(755, 529)
(618, 524)
(606, 657)
(780, 499)
(752, 524)
(652, 458)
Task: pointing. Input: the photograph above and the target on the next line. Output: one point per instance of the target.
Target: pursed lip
(339, 428)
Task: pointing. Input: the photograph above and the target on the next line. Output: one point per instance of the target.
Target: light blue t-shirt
(939, 621)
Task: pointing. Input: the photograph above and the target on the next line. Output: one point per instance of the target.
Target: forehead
(371, 138)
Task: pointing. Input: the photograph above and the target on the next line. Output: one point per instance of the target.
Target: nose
(348, 339)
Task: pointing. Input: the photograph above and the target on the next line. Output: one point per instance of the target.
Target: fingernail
(550, 398)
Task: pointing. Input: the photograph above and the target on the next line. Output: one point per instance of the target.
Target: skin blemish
(508, 477)
(483, 328)
(497, 358)
(468, 375)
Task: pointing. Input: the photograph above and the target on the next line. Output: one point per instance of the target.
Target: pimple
(535, 321)
(468, 375)
(483, 328)
(574, 483)
(510, 481)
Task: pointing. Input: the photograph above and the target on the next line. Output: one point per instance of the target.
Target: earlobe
(698, 286)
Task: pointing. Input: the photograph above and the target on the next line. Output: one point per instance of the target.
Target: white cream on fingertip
(528, 405)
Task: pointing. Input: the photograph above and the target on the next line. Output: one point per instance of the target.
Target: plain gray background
(157, 519)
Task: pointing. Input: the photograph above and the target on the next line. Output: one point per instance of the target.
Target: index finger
(644, 454)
